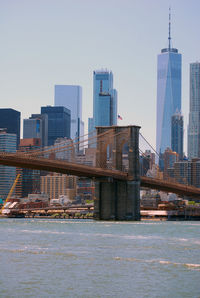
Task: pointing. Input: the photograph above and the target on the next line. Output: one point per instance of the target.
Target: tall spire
(169, 37)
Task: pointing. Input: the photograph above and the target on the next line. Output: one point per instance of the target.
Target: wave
(162, 262)
(110, 235)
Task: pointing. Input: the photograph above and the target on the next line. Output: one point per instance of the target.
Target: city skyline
(37, 56)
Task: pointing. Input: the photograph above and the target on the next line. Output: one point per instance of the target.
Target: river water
(85, 258)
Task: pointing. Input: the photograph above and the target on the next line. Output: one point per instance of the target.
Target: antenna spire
(169, 37)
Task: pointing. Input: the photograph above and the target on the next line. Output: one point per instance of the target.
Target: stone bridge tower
(117, 199)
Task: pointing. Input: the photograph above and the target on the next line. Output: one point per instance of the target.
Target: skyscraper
(168, 93)
(29, 180)
(10, 119)
(177, 134)
(104, 99)
(36, 127)
(70, 96)
(194, 114)
(8, 143)
(59, 122)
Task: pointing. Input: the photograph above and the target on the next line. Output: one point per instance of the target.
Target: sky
(48, 42)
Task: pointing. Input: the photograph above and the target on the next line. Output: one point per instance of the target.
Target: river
(85, 258)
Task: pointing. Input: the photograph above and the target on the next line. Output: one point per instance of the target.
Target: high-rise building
(36, 127)
(70, 96)
(104, 99)
(177, 134)
(59, 122)
(168, 93)
(8, 143)
(10, 119)
(169, 158)
(32, 128)
(29, 180)
(194, 114)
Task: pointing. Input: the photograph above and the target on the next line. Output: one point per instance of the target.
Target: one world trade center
(168, 93)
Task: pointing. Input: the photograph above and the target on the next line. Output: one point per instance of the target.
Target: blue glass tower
(59, 123)
(177, 134)
(10, 119)
(168, 93)
(104, 99)
(70, 96)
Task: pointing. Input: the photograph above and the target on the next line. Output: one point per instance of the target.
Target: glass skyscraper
(104, 99)
(168, 93)
(177, 134)
(70, 96)
(194, 114)
(10, 119)
(59, 123)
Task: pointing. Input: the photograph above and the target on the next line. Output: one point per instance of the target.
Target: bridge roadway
(64, 167)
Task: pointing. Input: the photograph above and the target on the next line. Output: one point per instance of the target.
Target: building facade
(10, 119)
(169, 158)
(32, 128)
(70, 96)
(57, 185)
(168, 93)
(104, 99)
(29, 180)
(177, 134)
(194, 114)
(36, 127)
(8, 143)
(59, 122)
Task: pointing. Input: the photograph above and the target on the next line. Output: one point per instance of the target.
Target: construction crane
(10, 192)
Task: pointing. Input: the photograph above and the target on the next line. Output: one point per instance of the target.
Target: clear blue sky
(48, 42)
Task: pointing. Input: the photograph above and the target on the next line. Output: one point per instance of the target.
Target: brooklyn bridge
(117, 185)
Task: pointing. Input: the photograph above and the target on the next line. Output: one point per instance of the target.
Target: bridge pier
(118, 199)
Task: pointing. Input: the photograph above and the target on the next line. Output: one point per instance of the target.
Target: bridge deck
(64, 167)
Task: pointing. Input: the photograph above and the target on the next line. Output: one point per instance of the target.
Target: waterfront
(85, 258)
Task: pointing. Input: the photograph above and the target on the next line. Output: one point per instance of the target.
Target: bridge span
(117, 193)
(80, 170)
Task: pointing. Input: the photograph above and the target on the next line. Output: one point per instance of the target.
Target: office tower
(32, 128)
(194, 114)
(169, 157)
(59, 122)
(29, 180)
(104, 99)
(182, 172)
(177, 134)
(168, 93)
(10, 119)
(8, 143)
(36, 127)
(70, 96)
